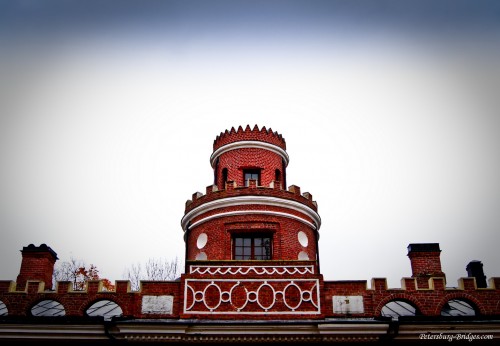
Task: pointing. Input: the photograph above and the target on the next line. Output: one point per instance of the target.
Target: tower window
(251, 174)
(277, 175)
(215, 170)
(224, 177)
(252, 248)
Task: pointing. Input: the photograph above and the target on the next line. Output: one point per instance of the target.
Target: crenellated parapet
(249, 134)
(274, 189)
(282, 214)
(35, 300)
(355, 298)
(221, 290)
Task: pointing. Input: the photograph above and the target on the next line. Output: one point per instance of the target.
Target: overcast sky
(390, 111)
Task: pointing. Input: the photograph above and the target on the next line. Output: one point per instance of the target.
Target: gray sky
(108, 113)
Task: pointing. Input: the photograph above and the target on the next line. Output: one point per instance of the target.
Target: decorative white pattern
(245, 270)
(246, 296)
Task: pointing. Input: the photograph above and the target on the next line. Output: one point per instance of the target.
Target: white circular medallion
(303, 256)
(201, 256)
(202, 241)
(303, 239)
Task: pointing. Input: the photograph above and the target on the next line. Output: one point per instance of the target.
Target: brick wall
(276, 274)
(76, 303)
(238, 160)
(219, 232)
(429, 300)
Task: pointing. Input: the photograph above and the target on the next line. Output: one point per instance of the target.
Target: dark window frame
(255, 243)
(252, 172)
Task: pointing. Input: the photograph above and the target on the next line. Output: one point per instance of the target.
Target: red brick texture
(424, 265)
(19, 303)
(231, 190)
(238, 160)
(220, 232)
(428, 301)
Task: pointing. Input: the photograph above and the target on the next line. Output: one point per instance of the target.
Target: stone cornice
(255, 200)
(249, 212)
(249, 144)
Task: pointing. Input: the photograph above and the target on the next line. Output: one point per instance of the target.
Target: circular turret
(241, 155)
(247, 214)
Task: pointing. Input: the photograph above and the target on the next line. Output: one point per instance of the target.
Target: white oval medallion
(202, 241)
(303, 256)
(303, 239)
(201, 256)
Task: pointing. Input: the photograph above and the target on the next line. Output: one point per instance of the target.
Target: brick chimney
(37, 264)
(475, 269)
(425, 262)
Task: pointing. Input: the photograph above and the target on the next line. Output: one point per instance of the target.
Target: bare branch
(156, 269)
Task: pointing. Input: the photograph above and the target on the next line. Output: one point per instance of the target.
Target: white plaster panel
(348, 304)
(157, 304)
(303, 256)
(202, 256)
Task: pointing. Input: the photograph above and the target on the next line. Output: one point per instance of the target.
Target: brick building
(251, 275)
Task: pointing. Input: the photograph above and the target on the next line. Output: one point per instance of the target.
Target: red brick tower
(247, 227)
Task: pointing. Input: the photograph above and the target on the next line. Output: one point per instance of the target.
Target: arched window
(397, 308)
(216, 169)
(458, 307)
(224, 177)
(48, 308)
(283, 164)
(277, 175)
(3, 309)
(106, 308)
